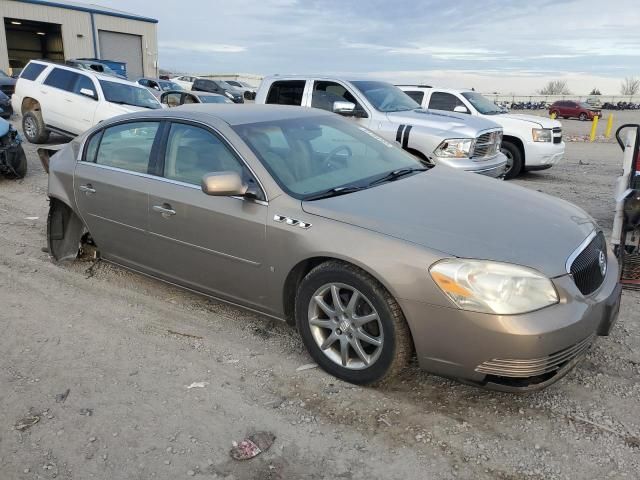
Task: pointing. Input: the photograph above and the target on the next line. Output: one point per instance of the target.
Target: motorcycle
(13, 161)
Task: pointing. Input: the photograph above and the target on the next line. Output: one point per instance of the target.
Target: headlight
(454, 148)
(542, 134)
(493, 287)
(230, 95)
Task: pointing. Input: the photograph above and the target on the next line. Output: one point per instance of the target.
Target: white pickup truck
(530, 142)
(441, 138)
(67, 100)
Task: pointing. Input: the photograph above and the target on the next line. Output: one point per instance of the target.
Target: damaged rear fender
(65, 231)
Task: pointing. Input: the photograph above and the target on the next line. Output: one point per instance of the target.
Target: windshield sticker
(373, 135)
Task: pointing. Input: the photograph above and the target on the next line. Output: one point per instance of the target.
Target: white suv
(529, 142)
(66, 100)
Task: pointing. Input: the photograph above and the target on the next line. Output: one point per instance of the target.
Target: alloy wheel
(345, 326)
(30, 127)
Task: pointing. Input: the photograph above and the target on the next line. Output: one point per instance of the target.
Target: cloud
(201, 47)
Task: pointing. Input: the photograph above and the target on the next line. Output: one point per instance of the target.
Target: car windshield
(122, 93)
(214, 99)
(482, 103)
(386, 97)
(166, 85)
(310, 155)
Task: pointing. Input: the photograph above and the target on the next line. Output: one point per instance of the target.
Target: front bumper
(541, 155)
(493, 167)
(514, 352)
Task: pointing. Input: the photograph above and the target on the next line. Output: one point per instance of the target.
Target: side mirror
(344, 108)
(460, 109)
(87, 92)
(223, 184)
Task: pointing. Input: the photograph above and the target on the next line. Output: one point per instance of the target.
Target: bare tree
(595, 91)
(555, 87)
(630, 86)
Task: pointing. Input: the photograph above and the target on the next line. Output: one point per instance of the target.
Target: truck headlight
(454, 148)
(542, 134)
(493, 287)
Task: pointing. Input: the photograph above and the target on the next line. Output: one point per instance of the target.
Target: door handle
(165, 210)
(88, 189)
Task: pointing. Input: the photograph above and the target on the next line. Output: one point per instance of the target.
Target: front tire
(583, 117)
(34, 128)
(514, 160)
(351, 325)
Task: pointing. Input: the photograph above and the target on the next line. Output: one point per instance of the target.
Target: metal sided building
(60, 30)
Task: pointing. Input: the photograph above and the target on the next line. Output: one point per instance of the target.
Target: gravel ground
(124, 348)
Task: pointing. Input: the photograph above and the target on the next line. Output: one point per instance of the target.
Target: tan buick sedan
(302, 215)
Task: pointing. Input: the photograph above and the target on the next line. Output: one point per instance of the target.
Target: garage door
(122, 47)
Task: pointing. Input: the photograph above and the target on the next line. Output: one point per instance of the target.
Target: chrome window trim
(224, 139)
(165, 180)
(585, 243)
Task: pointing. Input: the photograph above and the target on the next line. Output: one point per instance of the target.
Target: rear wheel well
(30, 104)
(518, 143)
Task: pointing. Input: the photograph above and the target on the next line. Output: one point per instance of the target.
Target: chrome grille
(557, 135)
(586, 268)
(487, 145)
(517, 368)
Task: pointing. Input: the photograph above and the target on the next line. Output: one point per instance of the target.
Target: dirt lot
(126, 347)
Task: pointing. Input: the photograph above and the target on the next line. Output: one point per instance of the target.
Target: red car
(571, 109)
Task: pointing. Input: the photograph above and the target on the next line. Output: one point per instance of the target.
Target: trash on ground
(307, 366)
(27, 422)
(197, 385)
(87, 412)
(31, 218)
(61, 397)
(252, 446)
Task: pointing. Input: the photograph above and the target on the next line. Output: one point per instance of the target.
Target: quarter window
(417, 95)
(32, 71)
(62, 79)
(192, 152)
(286, 92)
(127, 146)
(444, 101)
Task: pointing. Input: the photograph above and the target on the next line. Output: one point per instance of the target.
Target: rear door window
(62, 79)
(32, 71)
(417, 95)
(286, 92)
(127, 146)
(444, 101)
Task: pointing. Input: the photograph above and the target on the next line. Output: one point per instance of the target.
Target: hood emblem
(291, 221)
(602, 263)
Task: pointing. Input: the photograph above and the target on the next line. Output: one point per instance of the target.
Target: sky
(505, 46)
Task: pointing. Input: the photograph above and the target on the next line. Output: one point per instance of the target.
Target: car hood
(444, 124)
(518, 119)
(467, 215)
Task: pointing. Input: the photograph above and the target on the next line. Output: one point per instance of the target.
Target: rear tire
(33, 127)
(367, 339)
(514, 160)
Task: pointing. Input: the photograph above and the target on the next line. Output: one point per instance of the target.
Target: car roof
(231, 114)
(324, 76)
(98, 75)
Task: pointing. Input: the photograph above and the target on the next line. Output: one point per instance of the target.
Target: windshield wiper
(394, 175)
(333, 192)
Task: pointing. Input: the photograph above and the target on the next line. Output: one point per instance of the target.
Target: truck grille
(557, 135)
(589, 268)
(487, 145)
(517, 368)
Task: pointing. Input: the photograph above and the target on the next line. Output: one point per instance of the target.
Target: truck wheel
(583, 116)
(514, 160)
(351, 325)
(33, 127)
